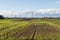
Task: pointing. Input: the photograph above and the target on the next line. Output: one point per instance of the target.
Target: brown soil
(40, 29)
(46, 29)
(26, 31)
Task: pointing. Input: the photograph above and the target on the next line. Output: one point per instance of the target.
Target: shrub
(1, 17)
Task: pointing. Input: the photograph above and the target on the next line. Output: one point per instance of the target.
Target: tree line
(2, 17)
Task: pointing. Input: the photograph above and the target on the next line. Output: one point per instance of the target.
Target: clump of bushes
(1, 17)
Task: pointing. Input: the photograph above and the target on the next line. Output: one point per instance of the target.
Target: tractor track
(32, 29)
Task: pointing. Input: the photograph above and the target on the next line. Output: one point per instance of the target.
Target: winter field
(33, 29)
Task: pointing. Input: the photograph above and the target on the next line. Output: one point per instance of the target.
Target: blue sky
(23, 8)
(18, 5)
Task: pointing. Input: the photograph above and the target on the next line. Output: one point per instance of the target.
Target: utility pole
(32, 14)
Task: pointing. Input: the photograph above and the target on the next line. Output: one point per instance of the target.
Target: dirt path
(26, 32)
(32, 29)
(46, 29)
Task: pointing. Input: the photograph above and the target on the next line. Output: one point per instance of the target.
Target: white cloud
(50, 11)
(28, 12)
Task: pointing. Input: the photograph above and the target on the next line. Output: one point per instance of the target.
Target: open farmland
(39, 29)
